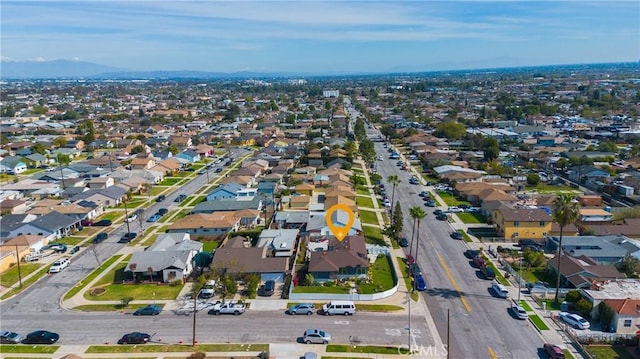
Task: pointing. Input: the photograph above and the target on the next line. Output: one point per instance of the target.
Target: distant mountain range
(69, 69)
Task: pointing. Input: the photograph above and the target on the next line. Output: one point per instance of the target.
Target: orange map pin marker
(339, 232)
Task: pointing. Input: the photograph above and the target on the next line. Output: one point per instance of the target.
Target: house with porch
(237, 256)
(346, 259)
(169, 258)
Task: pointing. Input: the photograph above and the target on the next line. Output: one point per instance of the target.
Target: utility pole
(448, 336)
(126, 219)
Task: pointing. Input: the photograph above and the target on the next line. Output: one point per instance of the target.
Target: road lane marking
(492, 353)
(431, 242)
(341, 322)
(455, 285)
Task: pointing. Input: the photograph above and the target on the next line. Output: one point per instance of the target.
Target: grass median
(29, 349)
(177, 348)
(373, 349)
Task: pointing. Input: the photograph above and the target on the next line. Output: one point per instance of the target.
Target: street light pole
(448, 336)
(195, 311)
(126, 213)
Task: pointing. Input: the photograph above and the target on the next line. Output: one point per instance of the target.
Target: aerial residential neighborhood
(504, 202)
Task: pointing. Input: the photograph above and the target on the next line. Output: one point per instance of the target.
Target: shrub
(584, 307)
(308, 279)
(328, 283)
(573, 296)
(125, 301)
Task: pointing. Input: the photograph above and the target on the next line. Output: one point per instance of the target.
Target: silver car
(316, 336)
(302, 308)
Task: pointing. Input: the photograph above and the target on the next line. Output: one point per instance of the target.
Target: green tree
(7, 111)
(393, 180)
(59, 142)
(359, 130)
(173, 149)
(605, 313)
(452, 130)
(608, 146)
(137, 149)
(62, 160)
(491, 149)
(309, 280)
(39, 148)
(565, 212)
(39, 110)
(573, 296)
(533, 258)
(584, 307)
(417, 214)
(397, 221)
(367, 151)
(351, 148)
(630, 266)
(86, 130)
(533, 179)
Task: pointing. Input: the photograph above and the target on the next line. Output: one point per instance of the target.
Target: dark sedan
(135, 338)
(404, 242)
(148, 310)
(456, 235)
(128, 237)
(103, 223)
(41, 337)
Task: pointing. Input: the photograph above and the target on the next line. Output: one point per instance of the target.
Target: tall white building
(330, 93)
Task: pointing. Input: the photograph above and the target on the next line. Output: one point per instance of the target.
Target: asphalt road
(480, 325)
(45, 295)
(250, 327)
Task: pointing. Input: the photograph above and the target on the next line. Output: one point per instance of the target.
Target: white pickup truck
(234, 308)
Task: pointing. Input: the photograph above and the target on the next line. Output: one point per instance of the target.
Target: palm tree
(413, 212)
(417, 214)
(565, 211)
(394, 180)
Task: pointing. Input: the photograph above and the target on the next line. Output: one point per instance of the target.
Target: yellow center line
(455, 285)
(492, 353)
(431, 242)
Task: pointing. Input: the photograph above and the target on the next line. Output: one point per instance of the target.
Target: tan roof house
(305, 189)
(206, 224)
(142, 163)
(333, 200)
(299, 202)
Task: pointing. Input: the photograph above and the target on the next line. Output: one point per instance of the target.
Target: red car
(553, 351)
(410, 259)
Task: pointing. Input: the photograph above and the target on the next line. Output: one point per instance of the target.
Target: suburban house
(34, 244)
(317, 224)
(142, 163)
(519, 223)
(189, 155)
(226, 191)
(237, 256)
(227, 205)
(606, 250)
(282, 242)
(169, 258)
(579, 272)
(342, 259)
(206, 224)
(13, 206)
(605, 290)
(626, 315)
(9, 256)
(291, 219)
(108, 197)
(52, 226)
(12, 165)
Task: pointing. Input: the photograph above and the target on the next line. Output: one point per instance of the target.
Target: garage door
(277, 277)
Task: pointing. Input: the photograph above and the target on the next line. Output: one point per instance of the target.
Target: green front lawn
(111, 216)
(450, 200)
(169, 181)
(378, 307)
(368, 217)
(30, 349)
(156, 190)
(70, 241)
(465, 236)
(93, 275)
(143, 291)
(374, 349)
(132, 204)
(10, 276)
(373, 235)
(364, 202)
(382, 277)
(525, 306)
(471, 218)
(539, 274)
(538, 322)
(547, 188)
(322, 289)
(608, 352)
(360, 189)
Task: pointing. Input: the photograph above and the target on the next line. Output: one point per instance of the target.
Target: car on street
(161, 198)
(499, 290)
(414, 270)
(441, 217)
(479, 262)
(518, 312)
(471, 253)
(575, 320)
(424, 194)
(409, 259)
(420, 284)
(148, 310)
(430, 203)
(41, 337)
(59, 265)
(302, 308)
(180, 198)
(154, 218)
(10, 338)
(438, 212)
(135, 338)
(127, 237)
(218, 170)
(456, 235)
(132, 218)
(58, 247)
(103, 223)
(100, 237)
(316, 336)
(163, 211)
(553, 351)
(201, 172)
(404, 242)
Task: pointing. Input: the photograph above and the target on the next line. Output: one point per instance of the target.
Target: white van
(339, 307)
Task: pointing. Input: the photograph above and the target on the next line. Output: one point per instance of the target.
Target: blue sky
(320, 37)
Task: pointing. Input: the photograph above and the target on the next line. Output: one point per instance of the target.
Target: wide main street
(480, 325)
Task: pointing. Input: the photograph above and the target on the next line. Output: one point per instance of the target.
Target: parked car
(180, 198)
(201, 172)
(302, 308)
(414, 270)
(479, 262)
(58, 247)
(457, 235)
(268, 288)
(41, 337)
(161, 198)
(59, 265)
(316, 336)
(218, 170)
(438, 212)
(575, 320)
(441, 217)
(455, 209)
(409, 259)
(103, 223)
(154, 218)
(528, 242)
(127, 237)
(420, 284)
(74, 250)
(487, 273)
(163, 211)
(404, 242)
(10, 338)
(471, 253)
(208, 290)
(553, 351)
(424, 194)
(500, 291)
(148, 310)
(100, 237)
(132, 218)
(86, 223)
(134, 338)
(518, 312)
(430, 203)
